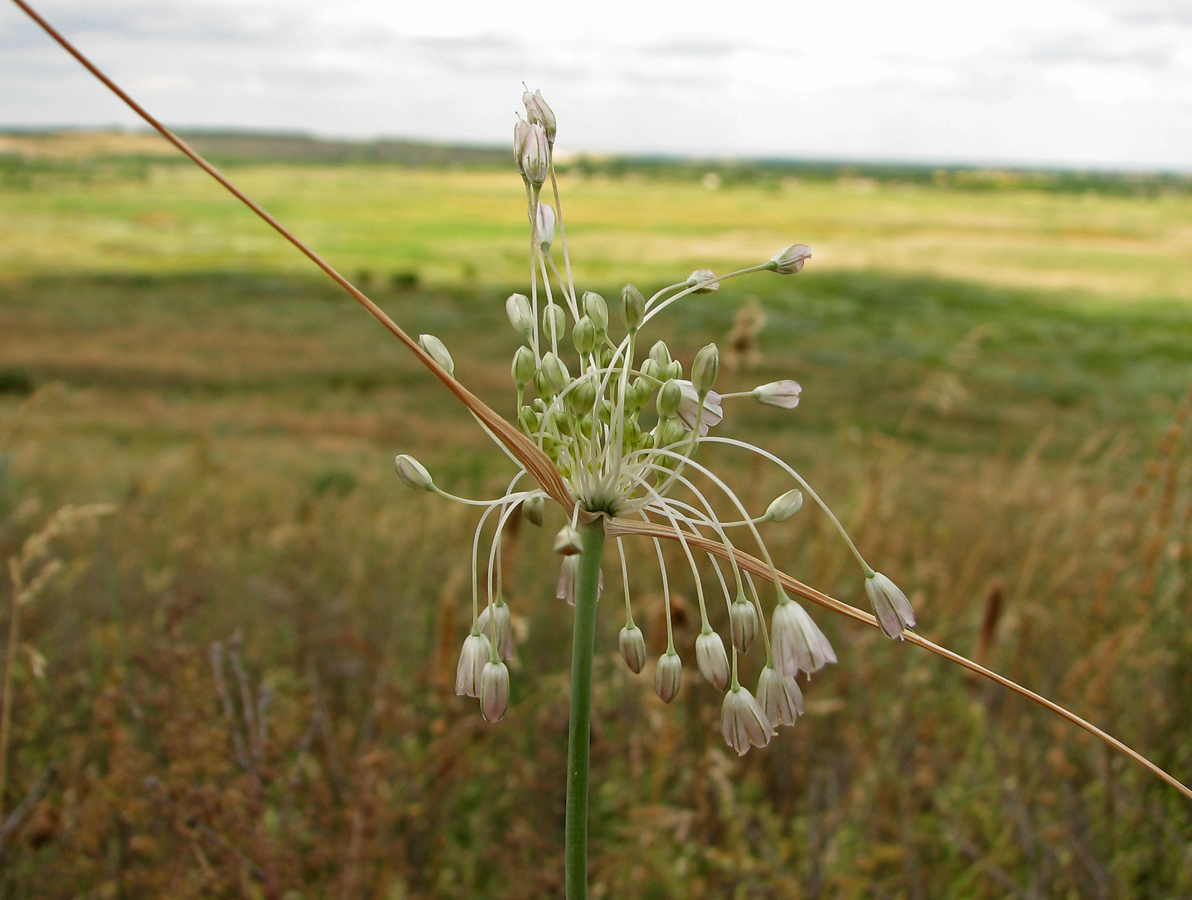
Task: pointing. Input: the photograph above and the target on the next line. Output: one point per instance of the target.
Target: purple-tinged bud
(743, 722)
(534, 161)
(743, 623)
(633, 648)
(789, 260)
(778, 393)
(413, 473)
(521, 317)
(494, 691)
(798, 644)
(780, 697)
(705, 279)
(890, 605)
(705, 369)
(538, 112)
(784, 507)
(546, 225)
(477, 651)
(568, 542)
(668, 676)
(498, 612)
(437, 351)
(712, 659)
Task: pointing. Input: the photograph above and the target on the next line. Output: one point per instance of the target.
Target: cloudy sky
(1069, 82)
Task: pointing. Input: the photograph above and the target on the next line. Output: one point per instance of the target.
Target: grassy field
(241, 674)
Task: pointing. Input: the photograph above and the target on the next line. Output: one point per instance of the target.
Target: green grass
(994, 403)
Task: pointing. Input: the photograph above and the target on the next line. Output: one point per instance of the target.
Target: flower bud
(780, 697)
(797, 642)
(790, 260)
(668, 676)
(650, 368)
(633, 307)
(633, 648)
(529, 419)
(660, 353)
(521, 134)
(498, 612)
(743, 623)
(437, 351)
(582, 397)
(477, 651)
(523, 367)
(554, 373)
(568, 580)
(784, 507)
(596, 309)
(637, 394)
(534, 508)
(706, 279)
(743, 722)
(554, 322)
(778, 393)
(673, 369)
(545, 224)
(583, 335)
(670, 395)
(534, 159)
(413, 473)
(705, 368)
(494, 691)
(568, 542)
(538, 112)
(670, 432)
(517, 308)
(712, 659)
(890, 605)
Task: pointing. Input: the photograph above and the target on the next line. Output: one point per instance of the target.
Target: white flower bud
(568, 579)
(477, 651)
(890, 605)
(797, 642)
(670, 395)
(437, 351)
(633, 307)
(637, 394)
(743, 623)
(546, 225)
(538, 112)
(554, 372)
(780, 697)
(650, 368)
(633, 648)
(568, 542)
(521, 317)
(712, 659)
(743, 722)
(712, 413)
(494, 691)
(596, 309)
(534, 508)
(583, 335)
(534, 159)
(706, 279)
(554, 322)
(705, 368)
(413, 473)
(498, 612)
(668, 676)
(673, 369)
(790, 259)
(521, 134)
(784, 507)
(523, 367)
(778, 393)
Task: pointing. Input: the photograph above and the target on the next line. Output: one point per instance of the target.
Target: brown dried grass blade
(759, 568)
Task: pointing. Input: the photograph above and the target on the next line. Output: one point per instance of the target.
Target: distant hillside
(26, 155)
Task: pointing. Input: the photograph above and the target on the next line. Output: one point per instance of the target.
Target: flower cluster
(623, 429)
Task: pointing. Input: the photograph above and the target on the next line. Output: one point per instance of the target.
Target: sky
(1073, 83)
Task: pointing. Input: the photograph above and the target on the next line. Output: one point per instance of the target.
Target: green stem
(579, 736)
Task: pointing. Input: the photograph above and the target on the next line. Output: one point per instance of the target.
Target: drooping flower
(890, 605)
(743, 722)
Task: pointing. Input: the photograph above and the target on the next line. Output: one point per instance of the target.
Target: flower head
(789, 260)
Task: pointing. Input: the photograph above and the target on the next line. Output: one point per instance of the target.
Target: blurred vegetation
(239, 682)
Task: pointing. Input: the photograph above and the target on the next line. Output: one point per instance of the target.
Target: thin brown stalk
(757, 567)
(10, 658)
